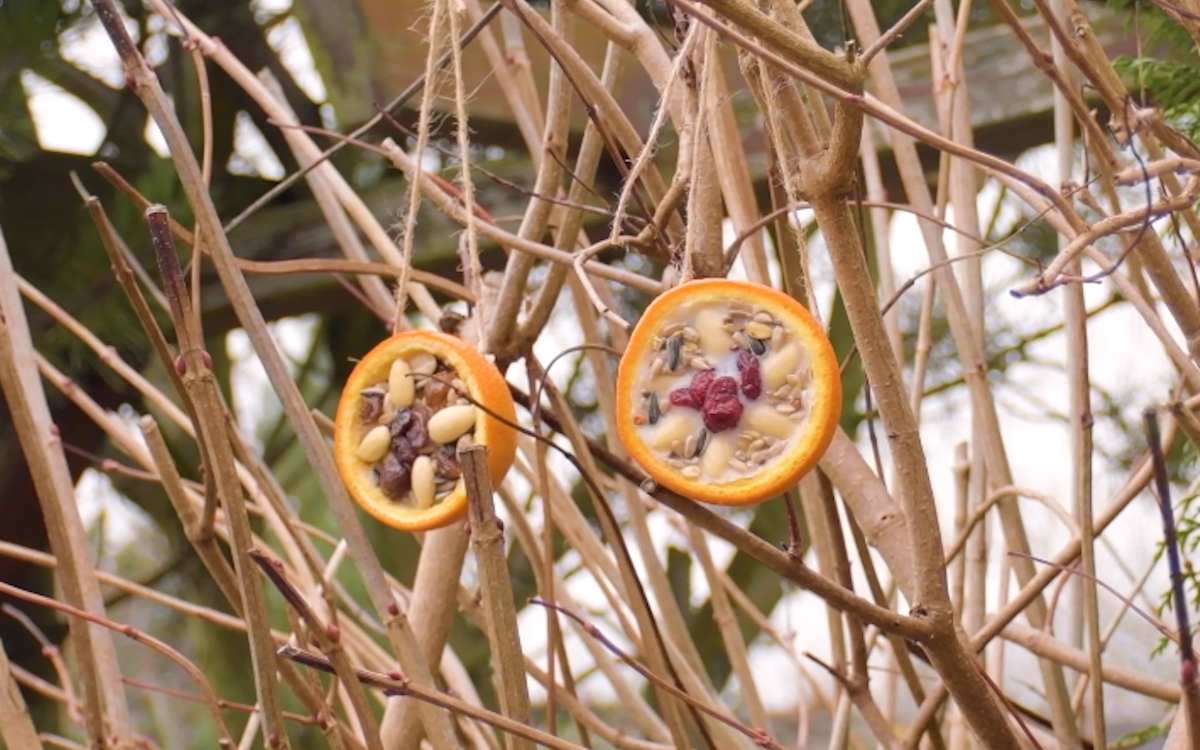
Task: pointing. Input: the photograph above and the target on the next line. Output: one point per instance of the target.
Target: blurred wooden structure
(369, 50)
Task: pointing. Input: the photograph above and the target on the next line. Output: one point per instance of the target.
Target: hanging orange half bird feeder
(728, 392)
(405, 410)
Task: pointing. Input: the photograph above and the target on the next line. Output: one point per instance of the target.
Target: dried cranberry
(722, 409)
(720, 414)
(751, 372)
(722, 388)
(694, 394)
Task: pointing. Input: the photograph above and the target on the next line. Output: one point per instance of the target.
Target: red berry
(751, 372)
(694, 394)
(722, 409)
(720, 414)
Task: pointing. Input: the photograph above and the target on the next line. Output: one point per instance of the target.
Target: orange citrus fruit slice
(728, 391)
(403, 414)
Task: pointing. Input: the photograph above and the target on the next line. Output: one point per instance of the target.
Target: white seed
(691, 472)
(400, 384)
(423, 487)
(689, 447)
(782, 391)
(714, 338)
(762, 316)
(690, 335)
(780, 364)
(760, 331)
(785, 409)
(777, 337)
(677, 448)
(451, 423)
(671, 428)
(717, 455)
(375, 444)
(738, 465)
(700, 363)
(423, 363)
(768, 421)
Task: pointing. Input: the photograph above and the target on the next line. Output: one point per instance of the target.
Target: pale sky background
(1125, 359)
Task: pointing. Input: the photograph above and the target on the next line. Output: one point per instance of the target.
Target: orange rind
(404, 412)
(728, 392)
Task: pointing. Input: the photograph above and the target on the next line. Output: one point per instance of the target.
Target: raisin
(371, 407)
(409, 424)
(400, 422)
(722, 409)
(446, 460)
(404, 451)
(436, 391)
(751, 372)
(394, 479)
(417, 432)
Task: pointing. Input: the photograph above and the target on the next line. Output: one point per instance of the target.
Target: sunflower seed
(758, 347)
(375, 444)
(423, 488)
(689, 447)
(674, 353)
(400, 384)
(653, 413)
(701, 441)
(451, 423)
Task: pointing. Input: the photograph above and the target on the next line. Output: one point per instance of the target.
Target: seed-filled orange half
(403, 414)
(728, 392)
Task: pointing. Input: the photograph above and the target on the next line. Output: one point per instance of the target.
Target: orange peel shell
(486, 386)
(816, 431)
